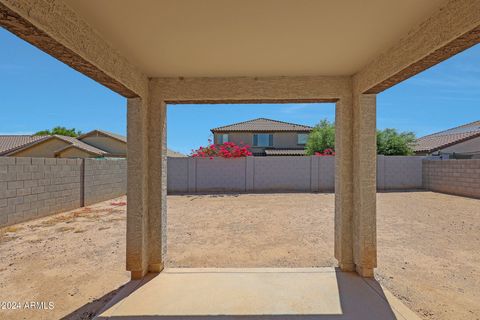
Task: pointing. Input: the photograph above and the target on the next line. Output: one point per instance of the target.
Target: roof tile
(443, 139)
(263, 125)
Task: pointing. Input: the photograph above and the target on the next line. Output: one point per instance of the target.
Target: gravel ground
(428, 248)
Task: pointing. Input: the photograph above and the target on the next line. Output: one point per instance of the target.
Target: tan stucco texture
(108, 144)
(45, 149)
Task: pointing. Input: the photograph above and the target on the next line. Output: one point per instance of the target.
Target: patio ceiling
(215, 38)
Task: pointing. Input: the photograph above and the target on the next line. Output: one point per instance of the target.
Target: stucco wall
(35, 187)
(108, 144)
(469, 146)
(459, 177)
(75, 153)
(280, 139)
(44, 149)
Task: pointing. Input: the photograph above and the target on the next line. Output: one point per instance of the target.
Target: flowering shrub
(225, 150)
(326, 152)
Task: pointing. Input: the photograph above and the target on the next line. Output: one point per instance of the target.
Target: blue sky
(39, 92)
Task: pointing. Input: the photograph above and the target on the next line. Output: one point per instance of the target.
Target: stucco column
(364, 184)
(157, 171)
(343, 184)
(146, 190)
(137, 187)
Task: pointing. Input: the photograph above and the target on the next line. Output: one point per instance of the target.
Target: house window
(222, 138)
(302, 138)
(263, 140)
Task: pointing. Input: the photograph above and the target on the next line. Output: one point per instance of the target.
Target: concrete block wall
(104, 179)
(35, 187)
(277, 174)
(458, 177)
(282, 174)
(399, 172)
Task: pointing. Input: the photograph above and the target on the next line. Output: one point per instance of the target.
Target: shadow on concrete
(97, 306)
(351, 298)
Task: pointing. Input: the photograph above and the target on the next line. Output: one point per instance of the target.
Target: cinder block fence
(277, 174)
(36, 187)
(458, 177)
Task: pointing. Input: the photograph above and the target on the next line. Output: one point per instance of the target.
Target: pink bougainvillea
(326, 152)
(225, 150)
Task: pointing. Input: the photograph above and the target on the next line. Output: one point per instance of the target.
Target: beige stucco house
(265, 136)
(52, 146)
(462, 141)
(93, 144)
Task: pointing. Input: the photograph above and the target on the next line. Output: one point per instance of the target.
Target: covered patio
(170, 52)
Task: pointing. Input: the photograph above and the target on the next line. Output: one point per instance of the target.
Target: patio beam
(450, 30)
(251, 89)
(57, 30)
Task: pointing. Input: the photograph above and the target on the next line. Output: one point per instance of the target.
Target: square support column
(355, 184)
(364, 184)
(157, 175)
(344, 184)
(146, 197)
(137, 187)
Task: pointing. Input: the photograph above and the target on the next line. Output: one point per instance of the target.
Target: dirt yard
(428, 248)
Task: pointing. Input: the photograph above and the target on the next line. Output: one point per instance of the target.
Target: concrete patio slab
(280, 293)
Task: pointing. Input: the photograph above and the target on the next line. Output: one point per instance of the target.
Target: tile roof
(106, 133)
(9, 143)
(80, 145)
(263, 125)
(443, 139)
(285, 152)
(12, 143)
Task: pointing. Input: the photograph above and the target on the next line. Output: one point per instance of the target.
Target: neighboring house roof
(74, 142)
(105, 133)
(447, 138)
(263, 125)
(70, 140)
(9, 143)
(285, 152)
(174, 154)
(119, 137)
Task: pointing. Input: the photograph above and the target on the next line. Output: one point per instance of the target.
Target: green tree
(60, 131)
(390, 142)
(321, 137)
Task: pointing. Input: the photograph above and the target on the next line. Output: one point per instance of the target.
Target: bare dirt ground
(428, 248)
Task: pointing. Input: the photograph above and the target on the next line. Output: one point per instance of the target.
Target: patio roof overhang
(266, 38)
(157, 52)
(379, 42)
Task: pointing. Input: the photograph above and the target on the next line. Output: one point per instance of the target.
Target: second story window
(263, 140)
(222, 138)
(302, 138)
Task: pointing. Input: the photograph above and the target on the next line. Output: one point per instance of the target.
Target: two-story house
(266, 137)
